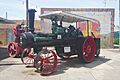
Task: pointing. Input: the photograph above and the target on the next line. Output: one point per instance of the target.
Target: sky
(16, 8)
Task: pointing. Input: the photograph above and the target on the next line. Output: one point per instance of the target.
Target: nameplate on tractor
(67, 49)
(59, 37)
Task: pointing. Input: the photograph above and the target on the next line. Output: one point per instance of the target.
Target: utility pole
(6, 15)
(119, 25)
(27, 13)
(105, 2)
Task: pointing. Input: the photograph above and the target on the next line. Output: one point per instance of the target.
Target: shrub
(116, 41)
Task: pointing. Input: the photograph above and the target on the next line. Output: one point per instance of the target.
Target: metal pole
(27, 13)
(87, 28)
(119, 25)
(6, 15)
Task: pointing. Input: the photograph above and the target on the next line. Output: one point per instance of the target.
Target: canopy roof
(67, 17)
(5, 21)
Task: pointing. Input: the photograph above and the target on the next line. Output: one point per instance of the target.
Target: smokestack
(31, 16)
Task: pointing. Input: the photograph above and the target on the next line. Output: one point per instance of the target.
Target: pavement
(106, 67)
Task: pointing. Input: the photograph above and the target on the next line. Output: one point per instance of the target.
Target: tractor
(65, 37)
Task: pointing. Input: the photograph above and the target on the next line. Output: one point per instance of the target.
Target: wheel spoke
(49, 57)
(26, 60)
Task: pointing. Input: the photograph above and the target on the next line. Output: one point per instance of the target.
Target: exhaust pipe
(31, 16)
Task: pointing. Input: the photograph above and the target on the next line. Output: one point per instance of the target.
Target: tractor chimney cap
(32, 10)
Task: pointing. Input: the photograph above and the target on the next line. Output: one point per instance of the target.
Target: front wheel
(46, 62)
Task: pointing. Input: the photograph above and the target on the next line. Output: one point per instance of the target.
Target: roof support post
(87, 28)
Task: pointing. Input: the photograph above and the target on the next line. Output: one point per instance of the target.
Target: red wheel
(12, 49)
(46, 62)
(28, 56)
(89, 49)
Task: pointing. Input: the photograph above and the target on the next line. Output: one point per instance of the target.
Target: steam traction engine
(67, 41)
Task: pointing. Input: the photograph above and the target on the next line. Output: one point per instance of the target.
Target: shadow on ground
(74, 62)
(63, 65)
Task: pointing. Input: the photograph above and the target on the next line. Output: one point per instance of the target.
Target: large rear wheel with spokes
(88, 49)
